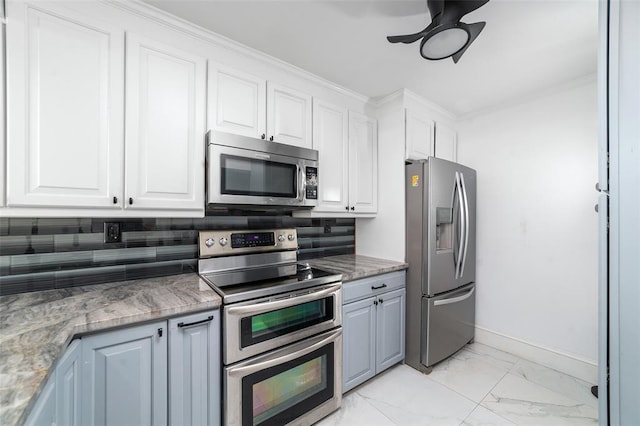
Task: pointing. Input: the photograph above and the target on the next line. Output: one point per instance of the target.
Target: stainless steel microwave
(248, 171)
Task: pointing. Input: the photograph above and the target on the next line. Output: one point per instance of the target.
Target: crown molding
(165, 18)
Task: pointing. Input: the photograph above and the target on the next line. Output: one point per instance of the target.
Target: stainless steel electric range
(282, 328)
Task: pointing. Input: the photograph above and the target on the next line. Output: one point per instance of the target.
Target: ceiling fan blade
(474, 31)
(454, 10)
(410, 38)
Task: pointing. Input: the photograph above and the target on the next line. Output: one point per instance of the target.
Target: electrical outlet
(112, 233)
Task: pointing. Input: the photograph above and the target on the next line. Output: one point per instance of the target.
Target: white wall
(537, 229)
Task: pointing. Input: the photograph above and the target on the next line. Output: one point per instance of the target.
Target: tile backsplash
(42, 253)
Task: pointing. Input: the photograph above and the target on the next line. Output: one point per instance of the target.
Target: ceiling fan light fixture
(444, 43)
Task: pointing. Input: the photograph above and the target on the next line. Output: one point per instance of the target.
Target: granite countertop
(35, 328)
(353, 267)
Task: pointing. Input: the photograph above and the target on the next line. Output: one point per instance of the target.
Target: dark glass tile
(304, 243)
(12, 284)
(26, 244)
(305, 254)
(82, 242)
(160, 238)
(124, 256)
(149, 270)
(30, 263)
(88, 276)
(190, 266)
(4, 226)
(5, 264)
(177, 252)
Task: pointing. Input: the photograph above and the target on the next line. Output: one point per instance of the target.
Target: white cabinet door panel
(359, 342)
(65, 103)
(419, 136)
(445, 144)
(288, 116)
(68, 386)
(390, 329)
(330, 130)
(165, 126)
(237, 102)
(363, 163)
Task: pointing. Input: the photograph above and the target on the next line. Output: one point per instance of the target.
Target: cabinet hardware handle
(189, 324)
(381, 301)
(346, 208)
(271, 138)
(263, 136)
(115, 200)
(373, 287)
(375, 302)
(353, 208)
(130, 200)
(160, 332)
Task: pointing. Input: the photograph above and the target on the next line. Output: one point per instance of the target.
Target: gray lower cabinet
(124, 376)
(59, 402)
(372, 327)
(194, 370)
(165, 372)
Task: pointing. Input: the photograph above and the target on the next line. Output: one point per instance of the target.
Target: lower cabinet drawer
(371, 286)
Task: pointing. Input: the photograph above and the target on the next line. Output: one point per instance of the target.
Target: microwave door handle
(301, 183)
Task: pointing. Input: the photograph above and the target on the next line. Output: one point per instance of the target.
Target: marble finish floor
(479, 385)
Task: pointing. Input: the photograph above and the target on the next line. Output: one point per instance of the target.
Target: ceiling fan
(446, 36)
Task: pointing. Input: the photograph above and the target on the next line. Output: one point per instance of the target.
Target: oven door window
(255, 177)
(282, 393)
(261, 327)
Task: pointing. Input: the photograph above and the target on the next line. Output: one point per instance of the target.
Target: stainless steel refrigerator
(441, 252)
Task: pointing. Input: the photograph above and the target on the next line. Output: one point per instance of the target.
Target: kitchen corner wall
(537, 264)
(42, 254)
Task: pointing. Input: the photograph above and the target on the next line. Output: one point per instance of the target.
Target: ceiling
(527, 45)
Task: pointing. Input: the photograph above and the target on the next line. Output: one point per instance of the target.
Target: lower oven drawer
(258, 326)
(298, 384)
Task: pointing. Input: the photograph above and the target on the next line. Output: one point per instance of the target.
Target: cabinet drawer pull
(115, 200)
(160, 332)
(373, 287)
(353, 208)
(130, 200)
(189, 324)
(263, 136)
(271, 138)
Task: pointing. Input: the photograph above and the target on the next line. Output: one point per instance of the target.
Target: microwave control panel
(311, 186)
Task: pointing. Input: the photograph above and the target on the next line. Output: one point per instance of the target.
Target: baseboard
(570, 364)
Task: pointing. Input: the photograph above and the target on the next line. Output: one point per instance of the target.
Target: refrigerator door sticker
(415, 181)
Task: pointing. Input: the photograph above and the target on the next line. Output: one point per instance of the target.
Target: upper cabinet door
(65, 97)
(165, 126)
(445, 143)
(237, 102)
(419, 135)
(363, 163)
(288, 116)
(2, 115)
(330, 139)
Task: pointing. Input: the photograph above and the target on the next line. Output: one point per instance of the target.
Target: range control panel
(225, 243)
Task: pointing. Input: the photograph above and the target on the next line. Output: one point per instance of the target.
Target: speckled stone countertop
(35, 328)
(353, 267)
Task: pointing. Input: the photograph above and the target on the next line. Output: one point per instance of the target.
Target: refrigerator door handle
(463, 262)
(462, 226)
(454, 299)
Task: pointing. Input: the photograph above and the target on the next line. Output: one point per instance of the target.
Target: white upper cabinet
(347, 143)
(288, 116)
(165, 126)
(237, 102)
(248, 105)
(363, 164)
(330, 138)
(3, 100)
(65, 104)
(445, 144)
(419, 136)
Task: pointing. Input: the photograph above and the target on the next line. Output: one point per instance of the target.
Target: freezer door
(450, 242)
(448, 324)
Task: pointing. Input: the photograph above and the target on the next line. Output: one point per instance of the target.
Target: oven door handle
(295, 299)
(293, 352)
